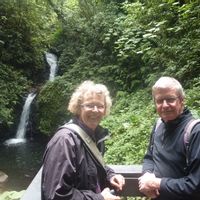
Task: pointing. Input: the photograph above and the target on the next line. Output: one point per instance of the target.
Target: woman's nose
(95, 109)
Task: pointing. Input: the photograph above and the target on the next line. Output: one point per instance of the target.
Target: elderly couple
(70, 172)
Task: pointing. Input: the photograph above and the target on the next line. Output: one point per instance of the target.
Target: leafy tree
(23, 36)
(130, 124)
(52, 104)
(13, 86)
(151, 39)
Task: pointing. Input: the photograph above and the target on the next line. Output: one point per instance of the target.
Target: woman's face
(92, 110)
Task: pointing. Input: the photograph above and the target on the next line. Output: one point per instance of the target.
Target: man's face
(92, 110)
(169, 104)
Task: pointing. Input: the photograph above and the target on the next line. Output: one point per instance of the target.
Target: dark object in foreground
(131, 174)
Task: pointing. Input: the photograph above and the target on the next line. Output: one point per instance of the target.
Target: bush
(130, 124)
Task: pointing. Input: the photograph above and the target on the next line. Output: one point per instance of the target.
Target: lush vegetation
(12, 83)
(130, 124)
(126, 45)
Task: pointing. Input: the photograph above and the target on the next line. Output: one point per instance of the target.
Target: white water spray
(52, 61)
(21, 130)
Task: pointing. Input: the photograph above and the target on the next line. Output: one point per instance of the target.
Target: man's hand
(149, 185)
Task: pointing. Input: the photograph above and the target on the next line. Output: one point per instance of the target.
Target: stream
(21, 162)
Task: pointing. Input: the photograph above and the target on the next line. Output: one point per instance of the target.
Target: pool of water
(21, 161)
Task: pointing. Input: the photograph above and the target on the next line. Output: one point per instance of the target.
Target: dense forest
(125, 45)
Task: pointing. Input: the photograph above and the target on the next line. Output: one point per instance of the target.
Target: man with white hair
(168, 173)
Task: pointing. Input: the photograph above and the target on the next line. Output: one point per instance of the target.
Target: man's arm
(187, 186)
(146, 186)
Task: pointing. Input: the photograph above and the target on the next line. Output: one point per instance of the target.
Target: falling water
(24, 117)
(20, 135)
(52, 61)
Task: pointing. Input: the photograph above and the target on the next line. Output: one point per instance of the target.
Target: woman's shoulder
(64, 136)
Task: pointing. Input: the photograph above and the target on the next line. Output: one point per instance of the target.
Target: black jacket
(166, 158)
(70, 172)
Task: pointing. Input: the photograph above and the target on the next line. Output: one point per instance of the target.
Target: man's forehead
(165, 91)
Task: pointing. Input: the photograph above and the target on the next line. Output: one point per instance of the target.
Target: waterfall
(52, 61)
(21, 130)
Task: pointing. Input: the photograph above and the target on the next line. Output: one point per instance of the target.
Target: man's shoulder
(191, 124)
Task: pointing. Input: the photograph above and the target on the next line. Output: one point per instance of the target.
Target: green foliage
(154, 39)
(193, 101)
(52, 104)
(25, 32)
(137, 42)
(23, 35)
(130, 124)
(13, 86)
(80, 45)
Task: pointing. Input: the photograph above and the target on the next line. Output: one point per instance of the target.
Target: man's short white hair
(168, 82)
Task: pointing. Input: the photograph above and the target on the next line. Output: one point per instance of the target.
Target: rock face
(3, 180)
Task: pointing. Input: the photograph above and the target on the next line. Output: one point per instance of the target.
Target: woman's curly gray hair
(88, 87)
